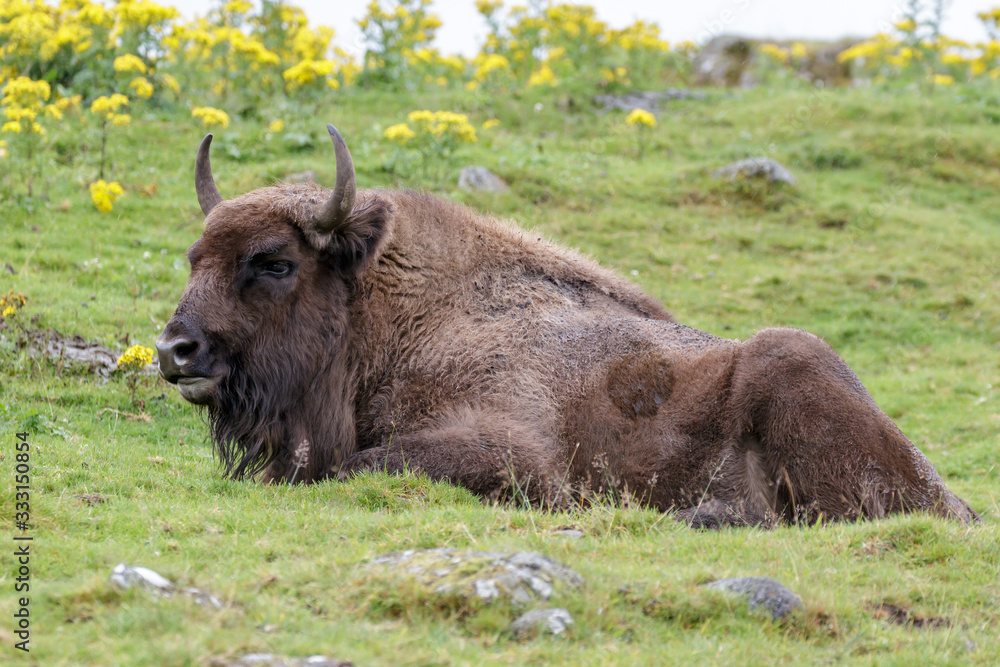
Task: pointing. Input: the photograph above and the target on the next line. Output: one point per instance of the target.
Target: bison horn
(328, 216)
(208, 194)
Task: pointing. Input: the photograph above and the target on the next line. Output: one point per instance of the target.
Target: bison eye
(277, 269)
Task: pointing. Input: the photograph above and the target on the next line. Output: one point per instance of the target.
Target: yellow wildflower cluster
(396, 34)
(142, 87)
(308, 71)
(936, 58)
(130, 63)
(443, 124)
(545, 44)
(106, 107)
(210, 116)
(105, 194)
(12, 302)
(63, 38)
(400, 133)
(641, 117)
(23, 100)
(136, 357)
(775, 52)
(276, 125)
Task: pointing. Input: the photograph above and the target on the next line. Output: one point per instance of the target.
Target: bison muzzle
(332, 332)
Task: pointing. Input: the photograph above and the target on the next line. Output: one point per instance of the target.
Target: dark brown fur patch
(639, 384)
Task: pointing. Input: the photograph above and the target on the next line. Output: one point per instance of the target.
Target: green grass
(889, 248)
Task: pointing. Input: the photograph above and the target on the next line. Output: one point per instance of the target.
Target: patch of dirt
(892, 613)
(91, 499)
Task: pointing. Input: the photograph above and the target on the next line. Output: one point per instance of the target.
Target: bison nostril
(184, 351)
(175, 355)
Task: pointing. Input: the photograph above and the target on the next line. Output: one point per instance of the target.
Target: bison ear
(360, 237)
(350, 234)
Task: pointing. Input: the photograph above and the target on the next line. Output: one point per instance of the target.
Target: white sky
(679, 20)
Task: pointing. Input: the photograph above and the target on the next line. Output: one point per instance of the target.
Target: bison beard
(333, 333)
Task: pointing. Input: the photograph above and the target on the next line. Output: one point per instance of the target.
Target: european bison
(329, 333)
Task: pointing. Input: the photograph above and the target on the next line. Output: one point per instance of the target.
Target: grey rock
(724, 61)
(570, 533)
(307, 176)
(554, 621)
(754, 167)
(519, 577)
(761, 592)
(480, 179)
(124, 576)
(648, 100)
(271, 660)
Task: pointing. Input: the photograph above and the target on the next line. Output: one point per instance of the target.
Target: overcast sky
(679, 20)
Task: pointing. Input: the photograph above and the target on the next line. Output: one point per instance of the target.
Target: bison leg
(491, 454)
(810, 442)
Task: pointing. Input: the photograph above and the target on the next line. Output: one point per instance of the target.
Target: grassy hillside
(888, 247)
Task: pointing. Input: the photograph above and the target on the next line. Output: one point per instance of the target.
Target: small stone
(554, 621)
(761, 592)
(480, 179)
(125, 577)
(753, 167)
(570, 533)
(203, 598)
(486, 589)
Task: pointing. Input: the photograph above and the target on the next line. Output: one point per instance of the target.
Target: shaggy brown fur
(424, 335)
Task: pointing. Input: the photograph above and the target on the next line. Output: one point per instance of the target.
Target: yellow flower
(13, 300)
(641, 117)
(543, 76)
(953, 59)
(799, 50)
(142, 87)
(104, 194)
(237, 6)
(130, 63)
(108, 103)
(418, 116)
(490, 124)
(943, 80)
(119, 119)
(492, 62)
(135, 358)
(8, 311)
(11, 126)
(774, 51)
(308, 71)
(211, 116)
(906, 25)
(488, 7)
(170, 82)
(276, 125)
(400, 133)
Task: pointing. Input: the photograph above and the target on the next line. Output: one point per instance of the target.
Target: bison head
(258, 335)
